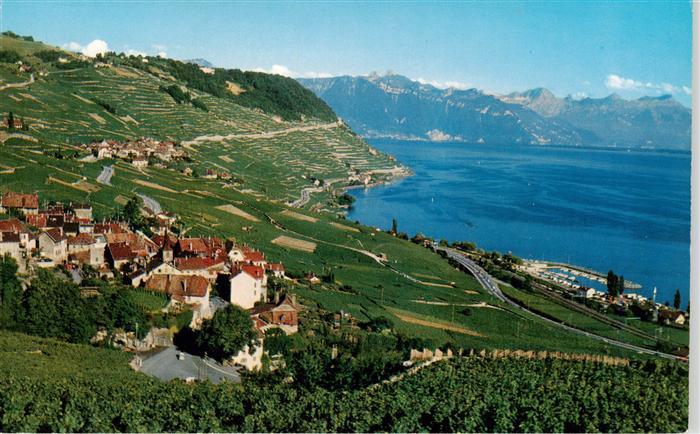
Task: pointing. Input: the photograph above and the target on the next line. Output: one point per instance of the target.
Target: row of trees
(52, 306)
(615, 284)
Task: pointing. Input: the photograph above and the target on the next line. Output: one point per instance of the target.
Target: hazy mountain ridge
(395, 106)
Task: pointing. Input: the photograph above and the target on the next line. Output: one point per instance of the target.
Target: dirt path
(17, 85)
(404, 316)
(265, 135)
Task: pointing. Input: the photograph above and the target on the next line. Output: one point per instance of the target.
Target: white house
(53, 245)
(252, 362)
(247, 286)
(583, 292)
(10, 244)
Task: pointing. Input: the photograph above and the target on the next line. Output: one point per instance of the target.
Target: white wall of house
(15, 252)
(56, 251)
(245, 290)
(252, 362)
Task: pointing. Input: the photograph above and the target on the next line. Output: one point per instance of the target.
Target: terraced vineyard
(274, 160)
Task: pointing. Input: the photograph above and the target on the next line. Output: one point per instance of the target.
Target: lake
(598, 208)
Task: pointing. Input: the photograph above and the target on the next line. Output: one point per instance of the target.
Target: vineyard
(474, 393)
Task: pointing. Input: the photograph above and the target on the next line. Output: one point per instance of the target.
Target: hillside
(394, 106)
(270, 162)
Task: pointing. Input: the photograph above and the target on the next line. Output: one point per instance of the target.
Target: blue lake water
(602, 209)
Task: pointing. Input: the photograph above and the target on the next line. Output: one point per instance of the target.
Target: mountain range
(394, 106)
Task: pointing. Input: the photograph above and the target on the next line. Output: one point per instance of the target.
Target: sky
(572, 48)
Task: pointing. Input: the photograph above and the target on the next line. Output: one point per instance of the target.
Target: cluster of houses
(187, 269)
(138, 151)
(17, 123)
(642, 306)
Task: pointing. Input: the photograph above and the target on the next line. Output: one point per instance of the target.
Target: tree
(227, 333)
(10, 293)
(394, 227)
(10, 121)
(677, 299)
(131, 212)
(612, 283)
(53, 308)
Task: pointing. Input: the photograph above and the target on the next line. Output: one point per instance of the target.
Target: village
(140, 152)
(569, 280)
(185, 269)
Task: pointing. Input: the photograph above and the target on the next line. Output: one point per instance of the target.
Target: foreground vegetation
(465, 394)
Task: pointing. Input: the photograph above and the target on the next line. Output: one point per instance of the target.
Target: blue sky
(577, 48)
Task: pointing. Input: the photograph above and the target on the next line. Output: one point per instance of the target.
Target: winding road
(488, 283)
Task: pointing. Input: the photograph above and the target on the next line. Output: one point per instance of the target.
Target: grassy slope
(56, 109)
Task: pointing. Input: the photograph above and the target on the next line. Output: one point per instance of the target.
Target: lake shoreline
(484, 209)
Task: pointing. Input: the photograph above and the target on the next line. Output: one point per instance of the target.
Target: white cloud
(579, 95)
(98, 46)
(616, 82)
(162, 54)
(445, 84)
(72, 46)
(285, 71)
(687, 90)
(159, 47)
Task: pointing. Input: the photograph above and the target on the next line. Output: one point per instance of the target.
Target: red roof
(179, 286)
(19, 200)
(274, 266)
(196, 263)
(253, 256)
(81, 239)
(37, 220)
(195, 246)
(121, 251)
(252, 270)
(55, 234)
(11, 225)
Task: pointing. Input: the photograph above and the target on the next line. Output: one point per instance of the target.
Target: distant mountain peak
(394, 106)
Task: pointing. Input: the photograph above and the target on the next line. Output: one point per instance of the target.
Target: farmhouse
(10, 245)
(276, 269)
(119, 254)
(184, 289)
(25, 203)
(667, 316)
(53, 245)
(247, 286)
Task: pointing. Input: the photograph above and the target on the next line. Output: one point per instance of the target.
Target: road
(16, 85)
(305, 196)
(488, 283)
(106, 175)
(263, 135)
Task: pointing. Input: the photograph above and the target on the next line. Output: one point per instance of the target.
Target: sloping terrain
(272, 160)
